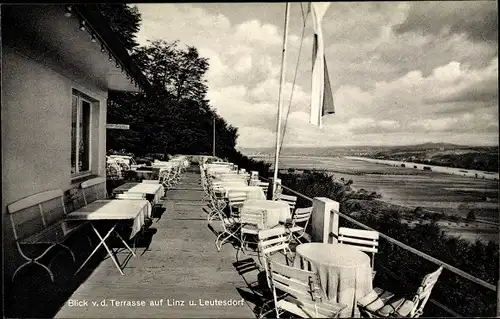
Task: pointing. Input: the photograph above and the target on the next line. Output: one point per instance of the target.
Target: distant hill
(433, 146)
(359, 150)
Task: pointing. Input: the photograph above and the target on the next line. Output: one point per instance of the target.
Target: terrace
(177, 262)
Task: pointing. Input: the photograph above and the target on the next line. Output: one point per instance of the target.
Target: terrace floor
(178, 265)
(181, 265)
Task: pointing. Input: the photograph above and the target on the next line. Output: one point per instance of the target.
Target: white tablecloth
(253, 192)
(216, 170)
(115, 209)
(276, 211)
(151, 189)
(344, 271)
(229, 183)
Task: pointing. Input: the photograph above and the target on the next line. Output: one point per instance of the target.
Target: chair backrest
(302, 215)
(272, 240)
(364, 240)
(302, 284)
(424, 292)
(263, 185)
(291, 200)
(255, 217)
(236, 198)
(33, 213)
(94, 189)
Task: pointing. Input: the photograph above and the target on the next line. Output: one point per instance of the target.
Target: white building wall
(36, 132)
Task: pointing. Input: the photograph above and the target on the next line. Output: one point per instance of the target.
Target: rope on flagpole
(304, 20)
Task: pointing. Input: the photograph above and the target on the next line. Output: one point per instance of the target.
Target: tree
(124, 20)
(179, 72)
(471, 215)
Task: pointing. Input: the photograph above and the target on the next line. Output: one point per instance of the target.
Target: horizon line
(384, 145)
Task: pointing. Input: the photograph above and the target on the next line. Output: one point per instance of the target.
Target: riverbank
(425, 167)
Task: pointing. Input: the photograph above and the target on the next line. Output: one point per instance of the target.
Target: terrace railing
(325, 222)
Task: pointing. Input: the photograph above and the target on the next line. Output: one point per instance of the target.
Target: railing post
(324, 223)
(270, 194)
(254, 177)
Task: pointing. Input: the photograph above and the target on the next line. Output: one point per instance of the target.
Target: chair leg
(261, 314)
(69, 250)
(217, 240)
(33, 262)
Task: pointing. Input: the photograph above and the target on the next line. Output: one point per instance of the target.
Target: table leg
(128, 247)
(97, 247)
(109, 250)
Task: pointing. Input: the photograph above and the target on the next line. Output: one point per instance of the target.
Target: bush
(471, 215)
(457, 293)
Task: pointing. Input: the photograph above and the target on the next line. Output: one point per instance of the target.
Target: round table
(253, 192)
(344, 271)
(276, 211)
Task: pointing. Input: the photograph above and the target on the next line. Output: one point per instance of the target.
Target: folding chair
(300, 216)
(252, 222)
(364, 240)
(290, 200)
(235, 202)
(304, 297)
(381, 303)
(230, 228)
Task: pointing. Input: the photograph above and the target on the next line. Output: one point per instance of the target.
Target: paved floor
(180, 275)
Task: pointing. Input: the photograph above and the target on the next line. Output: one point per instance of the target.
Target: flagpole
(280, 98)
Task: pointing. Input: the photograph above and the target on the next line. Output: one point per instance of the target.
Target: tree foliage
(179, 72)
(125, 20)
(177, 119)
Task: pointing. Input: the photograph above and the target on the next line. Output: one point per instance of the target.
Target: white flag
(321, 95)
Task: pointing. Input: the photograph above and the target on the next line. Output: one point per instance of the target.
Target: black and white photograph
(250, 159)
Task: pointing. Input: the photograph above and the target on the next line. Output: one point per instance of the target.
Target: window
(80, 135)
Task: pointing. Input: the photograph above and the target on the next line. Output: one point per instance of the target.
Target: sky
(401, 72)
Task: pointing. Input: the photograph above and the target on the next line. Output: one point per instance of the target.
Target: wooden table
(276, 212)
(154, 190)
(253, 192)
(344, 271)
(115, 211)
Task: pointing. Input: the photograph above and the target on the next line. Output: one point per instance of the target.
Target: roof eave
(99, 24)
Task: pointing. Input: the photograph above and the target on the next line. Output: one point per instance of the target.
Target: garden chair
(235, 202)
(94, 189)
(263, 185)
(300, 220)
(381, 303)
(364, 240)
(217, 204)
(230, 228)
(40, 223)
(252, 222)
(289, 199)
(303, 295)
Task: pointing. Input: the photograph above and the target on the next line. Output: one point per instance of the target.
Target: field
(449, 194)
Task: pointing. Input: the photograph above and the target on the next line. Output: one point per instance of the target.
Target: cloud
(473, 86)
(486, 124)
(395, 81)
(477, 19)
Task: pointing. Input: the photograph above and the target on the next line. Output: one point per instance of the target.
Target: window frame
(80, 98)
